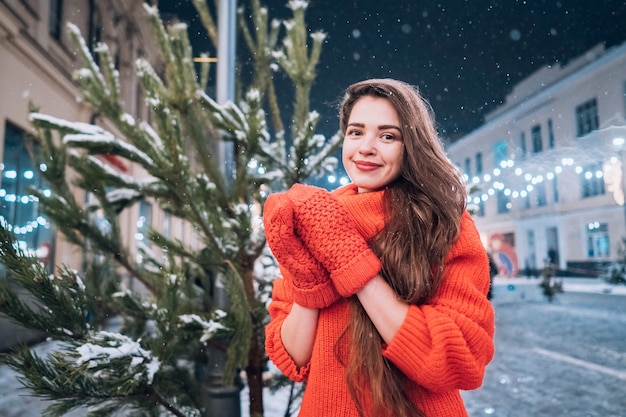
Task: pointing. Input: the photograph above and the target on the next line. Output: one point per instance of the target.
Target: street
(567, 358)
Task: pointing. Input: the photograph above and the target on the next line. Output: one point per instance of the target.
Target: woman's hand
(329, 232)
(310, 281)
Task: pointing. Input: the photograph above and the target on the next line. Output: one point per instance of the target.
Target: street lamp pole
(223, 400)
(225, 89)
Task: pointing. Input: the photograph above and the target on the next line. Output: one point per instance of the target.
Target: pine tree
(151, 349)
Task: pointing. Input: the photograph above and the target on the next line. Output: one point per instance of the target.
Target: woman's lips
(366, 166)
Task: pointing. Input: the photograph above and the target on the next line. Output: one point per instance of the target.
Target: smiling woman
(382, 307)
(372, 149)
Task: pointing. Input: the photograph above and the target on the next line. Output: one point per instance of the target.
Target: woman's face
(373, 147)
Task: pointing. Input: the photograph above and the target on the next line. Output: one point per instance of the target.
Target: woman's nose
(368, 143)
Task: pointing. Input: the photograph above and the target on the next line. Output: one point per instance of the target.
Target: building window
(592, 180)
(479, 163)
(502, 196)
(479, 173)
(587, 117)
(500, 152)
(535, 133)
(522, 145)
(504, 201)
(555, 189)
(468, 168)
(55, 18)
(19, 210)
(95, 30)
(550, 134)
(526, 201)
(530, 263)
(597, 240)
(540, 192)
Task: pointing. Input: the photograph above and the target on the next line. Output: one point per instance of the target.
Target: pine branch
(239, 345)
(207, 20)
(295, 60)
(96, 372)
(59, 306)
(261, 45)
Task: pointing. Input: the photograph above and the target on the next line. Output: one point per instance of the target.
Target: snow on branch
(66, 125)
(298, 4)
(209, 327)
(109, 346)
(106, 142)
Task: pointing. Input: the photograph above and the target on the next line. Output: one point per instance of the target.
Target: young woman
(382, 306)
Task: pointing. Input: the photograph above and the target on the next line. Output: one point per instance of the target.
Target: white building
(546, 167)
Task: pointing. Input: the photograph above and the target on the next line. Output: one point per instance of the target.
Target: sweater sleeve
(279, 308)
(447, 343)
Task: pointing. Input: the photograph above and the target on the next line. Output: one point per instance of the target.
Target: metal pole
(225, 89)
(223, 400)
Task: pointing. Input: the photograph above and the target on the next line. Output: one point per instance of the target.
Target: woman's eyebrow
(385, 127)
(380, 127)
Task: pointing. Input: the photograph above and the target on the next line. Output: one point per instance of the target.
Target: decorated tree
(160, 345)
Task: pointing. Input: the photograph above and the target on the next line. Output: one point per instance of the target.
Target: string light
(489, 183)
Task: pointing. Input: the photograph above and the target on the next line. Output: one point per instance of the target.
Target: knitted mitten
(311, 283)
(329, 232)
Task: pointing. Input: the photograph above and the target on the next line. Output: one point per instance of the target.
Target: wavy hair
(424, 207)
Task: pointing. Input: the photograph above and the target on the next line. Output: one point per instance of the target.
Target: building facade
(37, 63)
(546, 169)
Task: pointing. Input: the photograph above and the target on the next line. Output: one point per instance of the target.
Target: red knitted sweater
(443, 346)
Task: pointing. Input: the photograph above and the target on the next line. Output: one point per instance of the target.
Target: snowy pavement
(15, 401)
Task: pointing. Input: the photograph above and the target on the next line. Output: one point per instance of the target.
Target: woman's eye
(388, 136)
(354, 133)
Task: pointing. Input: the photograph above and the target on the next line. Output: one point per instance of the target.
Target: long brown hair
(424, 208)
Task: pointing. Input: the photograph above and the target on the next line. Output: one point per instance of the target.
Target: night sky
(465, 56)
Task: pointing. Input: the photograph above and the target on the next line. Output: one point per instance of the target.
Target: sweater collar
(366, 209)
